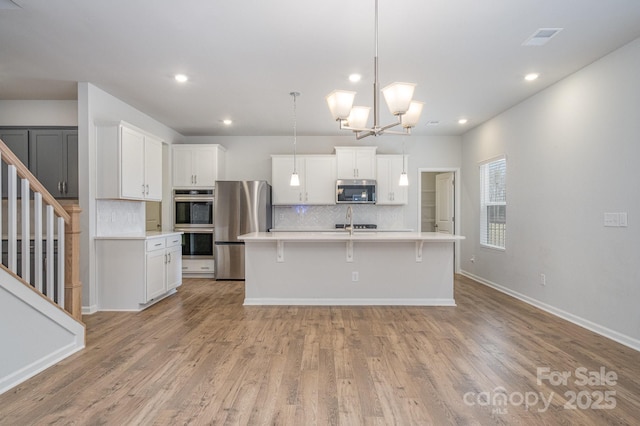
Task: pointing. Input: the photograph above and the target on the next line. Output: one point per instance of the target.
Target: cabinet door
(182, 166)
(155, 282)
(46, 151)
(17, 140)
(153, 169)
(70, 163)
(282, 192)
(204, 167)
(320, 180)
(174, 267)
(346, 163)
(132, 164)
(365, 164)
(388, 190)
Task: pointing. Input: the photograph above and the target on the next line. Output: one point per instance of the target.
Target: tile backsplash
(325, 217)
(116, 217)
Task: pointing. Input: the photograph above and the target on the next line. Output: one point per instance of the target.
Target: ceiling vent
(541, 36)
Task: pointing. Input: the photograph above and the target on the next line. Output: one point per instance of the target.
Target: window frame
(485, 239)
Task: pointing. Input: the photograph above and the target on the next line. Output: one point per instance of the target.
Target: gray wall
(572, 155)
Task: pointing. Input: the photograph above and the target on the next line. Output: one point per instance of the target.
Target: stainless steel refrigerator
(240, 207)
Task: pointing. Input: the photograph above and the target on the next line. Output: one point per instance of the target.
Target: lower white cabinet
(134, 273)
(198, 268)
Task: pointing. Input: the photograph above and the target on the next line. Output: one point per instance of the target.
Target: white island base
(338, 269)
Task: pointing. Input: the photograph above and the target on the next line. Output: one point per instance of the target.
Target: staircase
(40, 289)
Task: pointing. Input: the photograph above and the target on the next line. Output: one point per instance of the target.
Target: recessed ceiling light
(463, 121)
(354, 78)
(227, 122)
(532, 76)
(181, 78)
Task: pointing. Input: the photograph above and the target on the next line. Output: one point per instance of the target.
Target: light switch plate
(622, 219)
(611, 219)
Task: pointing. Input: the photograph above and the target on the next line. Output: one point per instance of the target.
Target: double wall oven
(193, 215)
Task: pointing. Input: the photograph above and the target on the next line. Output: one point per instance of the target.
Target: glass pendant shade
(398, 97)
(340, 103)
(404, 179)
(358, 117)
(295, 179)
(411, 117)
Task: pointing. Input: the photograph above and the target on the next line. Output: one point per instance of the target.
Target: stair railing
(55, 234)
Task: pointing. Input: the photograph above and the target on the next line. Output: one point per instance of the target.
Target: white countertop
(145, 236)
(335, 230)
(341, 235)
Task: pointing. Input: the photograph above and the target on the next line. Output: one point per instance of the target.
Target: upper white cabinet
(388, 190)
(356, 162)
(317, 180)
(129, 163)
(197, 166)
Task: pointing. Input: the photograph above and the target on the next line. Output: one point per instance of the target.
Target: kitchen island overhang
(336, 268)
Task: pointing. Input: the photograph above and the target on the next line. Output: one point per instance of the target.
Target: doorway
(438, 203)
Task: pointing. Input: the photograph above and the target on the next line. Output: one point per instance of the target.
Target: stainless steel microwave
(355, 191)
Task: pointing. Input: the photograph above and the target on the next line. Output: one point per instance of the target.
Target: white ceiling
(243, 57)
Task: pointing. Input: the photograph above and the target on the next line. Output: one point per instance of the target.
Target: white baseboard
(88, 310)
(38, 366)
(349, 302)
(589, 325)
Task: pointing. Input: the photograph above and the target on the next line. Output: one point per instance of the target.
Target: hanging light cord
(295, 135)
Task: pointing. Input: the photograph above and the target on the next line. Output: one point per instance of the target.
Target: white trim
(457, 180)
(584, 323)
(348, 302)
(89, 310)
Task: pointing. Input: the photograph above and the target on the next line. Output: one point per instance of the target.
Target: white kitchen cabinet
(317, 180)
(174, 265)
(135, 272)
(356, 162)
(388, 190)
(130, 163)
(197, 166)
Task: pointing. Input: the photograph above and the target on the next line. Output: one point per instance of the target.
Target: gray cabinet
(51, 154)
(53, 159)
(18, 141)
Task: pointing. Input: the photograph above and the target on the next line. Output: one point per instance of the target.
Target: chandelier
(398, 97)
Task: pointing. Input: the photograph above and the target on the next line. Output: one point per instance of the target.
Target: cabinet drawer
(173, 241)
(155, 244)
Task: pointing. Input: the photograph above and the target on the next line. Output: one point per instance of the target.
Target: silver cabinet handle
(60, 187)
(147, 189)
(195, 179)
(143, 189)
(169, 257)
(64, 187)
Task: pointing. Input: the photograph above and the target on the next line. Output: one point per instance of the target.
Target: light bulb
(404, 179)
(295, 179)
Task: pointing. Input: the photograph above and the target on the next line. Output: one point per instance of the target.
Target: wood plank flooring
(200, 357)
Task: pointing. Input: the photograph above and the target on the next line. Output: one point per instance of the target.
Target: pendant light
(404, 179)
(295, 179)
(398, 96)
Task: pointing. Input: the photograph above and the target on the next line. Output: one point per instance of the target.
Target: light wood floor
(200, 357)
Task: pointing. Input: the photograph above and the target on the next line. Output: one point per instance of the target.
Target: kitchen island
(337, 268)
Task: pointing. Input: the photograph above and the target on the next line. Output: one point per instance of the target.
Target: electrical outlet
(281, 216)
(355, 276)
(543, 279)
(473, 259)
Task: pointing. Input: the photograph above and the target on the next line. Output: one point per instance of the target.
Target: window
(493, 203)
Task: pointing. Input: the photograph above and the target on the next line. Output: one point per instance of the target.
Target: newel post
(72, 284)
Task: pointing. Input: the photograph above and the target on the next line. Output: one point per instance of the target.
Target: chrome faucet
(349, 217)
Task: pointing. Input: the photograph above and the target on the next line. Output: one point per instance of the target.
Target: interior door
(444, 203)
